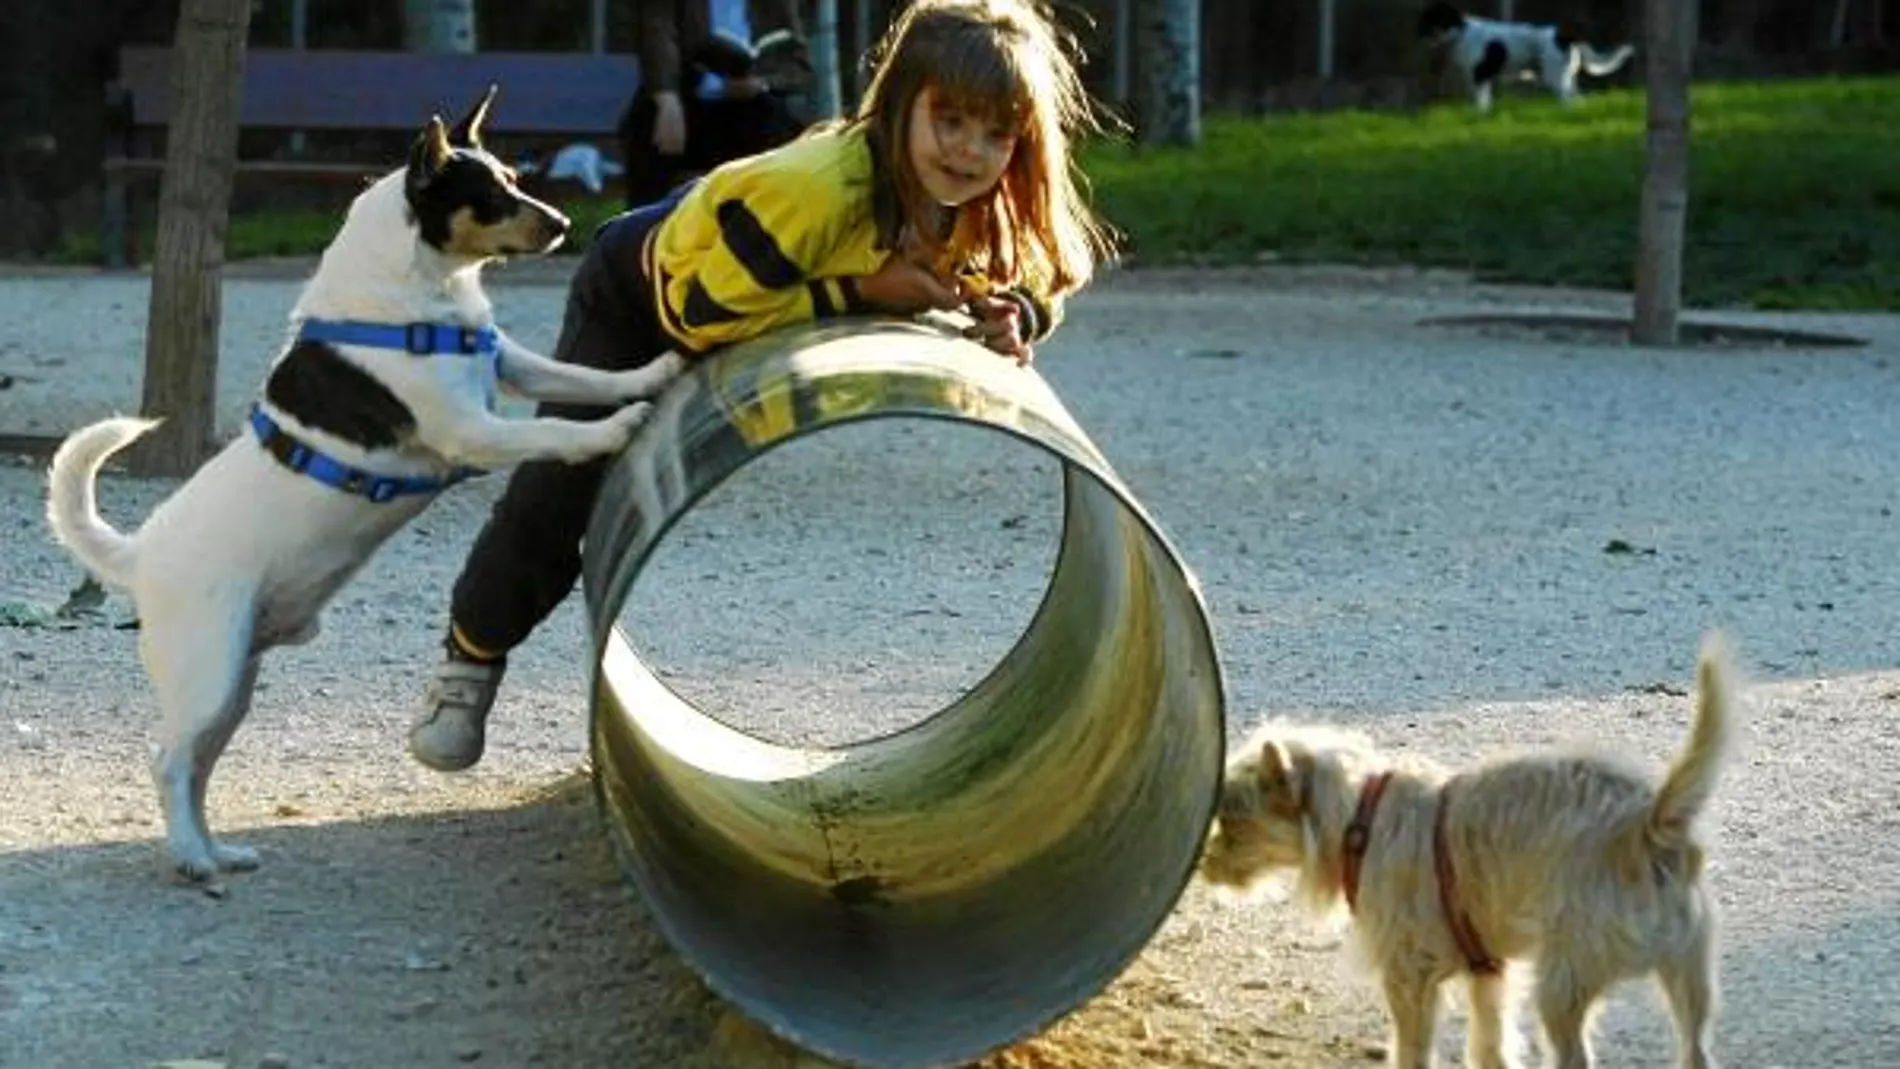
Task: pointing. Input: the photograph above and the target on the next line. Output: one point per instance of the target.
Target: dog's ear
(429, 154)
(1278, 771)
(468, 131)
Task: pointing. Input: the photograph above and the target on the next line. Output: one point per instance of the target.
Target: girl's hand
(999, 327)
(904, 288)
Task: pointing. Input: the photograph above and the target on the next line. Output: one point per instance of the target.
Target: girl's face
(957, 155)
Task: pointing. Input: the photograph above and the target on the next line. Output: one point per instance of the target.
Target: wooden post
(1328, 34)
(1123, 73)
(1169, 33)
(1837, 28)
(860, 44)
(194, 211)
(824, 60)
(1670, 36)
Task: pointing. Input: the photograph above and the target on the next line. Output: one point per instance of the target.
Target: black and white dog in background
(1486, 50)
(382, 398)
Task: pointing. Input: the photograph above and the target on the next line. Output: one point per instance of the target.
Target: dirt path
(1397, 527)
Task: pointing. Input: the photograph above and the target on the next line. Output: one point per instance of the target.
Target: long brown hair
(1003, 61)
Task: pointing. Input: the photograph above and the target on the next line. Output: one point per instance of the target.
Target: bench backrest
(338, 89)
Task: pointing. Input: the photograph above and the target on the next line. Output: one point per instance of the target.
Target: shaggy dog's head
(1286, 799)
(465, 202)
(1439, 22)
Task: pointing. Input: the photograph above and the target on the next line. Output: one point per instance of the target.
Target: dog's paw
(649, 381)
(612, 434)
(195, 867)
(202, 862)
(233, 858)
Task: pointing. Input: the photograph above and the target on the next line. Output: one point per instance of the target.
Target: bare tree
(1169, 39)
(438, 25)
(1670, 36)
(194, 212)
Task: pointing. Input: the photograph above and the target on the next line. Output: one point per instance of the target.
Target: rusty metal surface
(920, 899)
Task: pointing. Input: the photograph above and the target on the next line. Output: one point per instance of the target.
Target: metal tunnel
(921, 899)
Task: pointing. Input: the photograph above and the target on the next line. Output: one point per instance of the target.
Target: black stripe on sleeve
(821, 307)
(755, 248)
(701, 310)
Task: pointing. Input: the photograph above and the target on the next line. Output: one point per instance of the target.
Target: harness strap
(299, 456)
(1462, 931)
(1359, 836)
(418, 339)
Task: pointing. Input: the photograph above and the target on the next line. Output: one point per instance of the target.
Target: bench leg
(115, 225)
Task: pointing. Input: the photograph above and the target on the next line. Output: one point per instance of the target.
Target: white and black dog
(1485, 51)
(382, 397)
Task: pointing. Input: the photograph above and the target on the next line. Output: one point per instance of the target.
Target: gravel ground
(1420, 531)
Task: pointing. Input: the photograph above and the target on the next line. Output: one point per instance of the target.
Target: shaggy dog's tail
(73, 510)
(1691, 780)
(1602, 63)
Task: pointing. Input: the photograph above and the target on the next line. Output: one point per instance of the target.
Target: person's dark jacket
(673, 34)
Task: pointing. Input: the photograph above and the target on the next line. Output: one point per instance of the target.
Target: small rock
(415, 961)
(466, 1052)
(274, 1060)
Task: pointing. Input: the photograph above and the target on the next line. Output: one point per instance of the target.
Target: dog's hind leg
(1491, 1040)
(1564, 1002)
(204, 673)
(1688, 982)
(1412, 1000)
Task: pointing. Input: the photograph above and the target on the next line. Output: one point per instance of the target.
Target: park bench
(549, 95)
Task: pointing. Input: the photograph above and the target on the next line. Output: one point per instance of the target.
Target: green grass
(1794, 192)
(1794, 200)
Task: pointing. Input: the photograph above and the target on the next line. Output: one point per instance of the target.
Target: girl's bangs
(986, 82)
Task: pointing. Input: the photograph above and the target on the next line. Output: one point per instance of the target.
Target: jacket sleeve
(659, 45)
(1041, 313)
(757, 276)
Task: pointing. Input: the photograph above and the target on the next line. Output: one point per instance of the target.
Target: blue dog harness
(416, 339)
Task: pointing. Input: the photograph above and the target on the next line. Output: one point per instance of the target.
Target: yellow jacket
(775, 239)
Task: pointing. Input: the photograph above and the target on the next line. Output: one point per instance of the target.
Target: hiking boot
(448, 736)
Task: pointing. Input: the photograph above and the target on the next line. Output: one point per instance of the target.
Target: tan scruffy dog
(1579, 864)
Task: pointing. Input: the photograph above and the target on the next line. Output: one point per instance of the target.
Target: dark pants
(717, 130)
(528, 555)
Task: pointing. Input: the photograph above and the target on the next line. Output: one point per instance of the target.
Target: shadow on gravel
(502, 936)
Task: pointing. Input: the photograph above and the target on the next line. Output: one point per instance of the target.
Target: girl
(952, 187)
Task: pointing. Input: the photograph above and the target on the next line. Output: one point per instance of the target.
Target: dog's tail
(72, 508)
(1691, 780)
(1602, 63)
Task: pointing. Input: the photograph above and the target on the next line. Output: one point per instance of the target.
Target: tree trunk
(194, 211)
(1670, 34)
(1327, 47)
(1124, 36)
(827, 88)
(438, 25)
(1170, 41)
